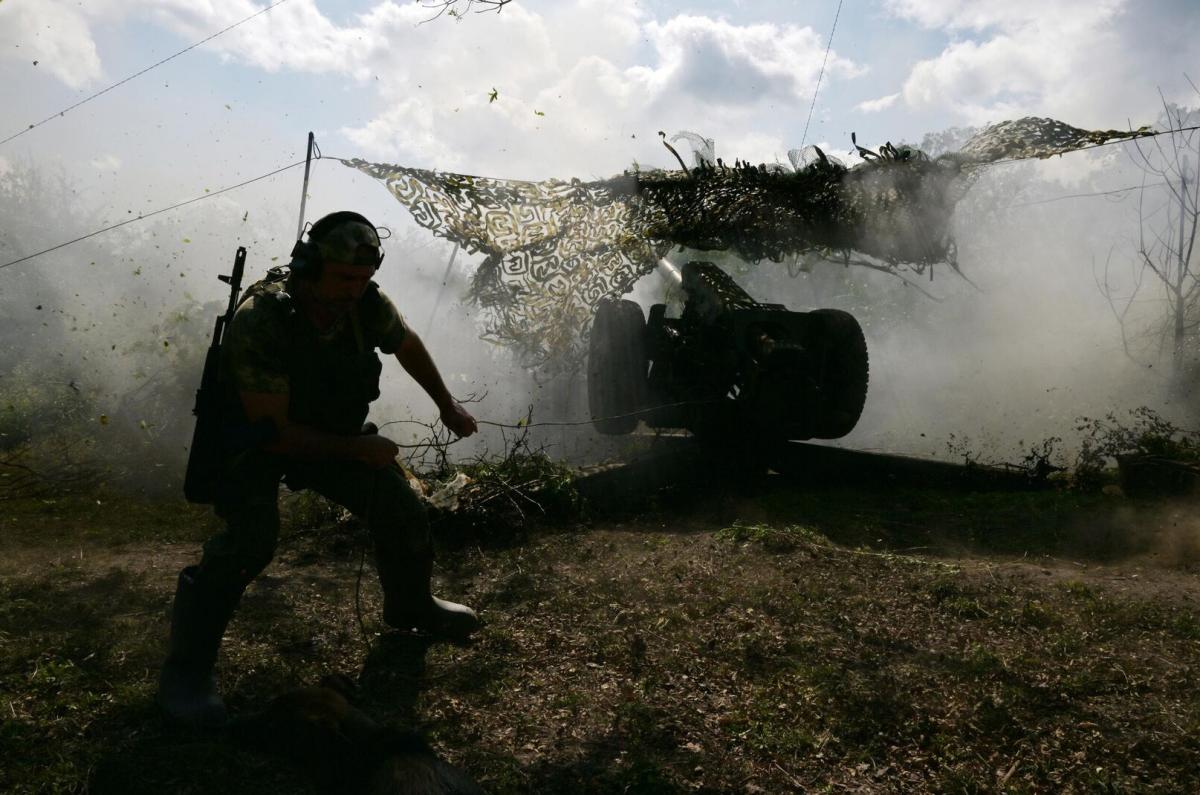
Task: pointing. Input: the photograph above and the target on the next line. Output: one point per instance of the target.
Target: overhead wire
(85, 100)
(519, 426)
(144, 216)
(821, 74)
(1082, 195)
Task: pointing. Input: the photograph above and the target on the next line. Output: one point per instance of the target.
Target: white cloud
(726, 65)
(108, 162)
(876, 105)
(1072, 59)
(580, 82)
(563, 99)
(53, 33)
(980, 15)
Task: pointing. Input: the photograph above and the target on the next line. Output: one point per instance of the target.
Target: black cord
(362, 562)
(554, 423)
(1082, 195)
(820, 74)
(64, 111)
(152, 214)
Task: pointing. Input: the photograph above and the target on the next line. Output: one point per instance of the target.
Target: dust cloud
(992, 363)
(102, 342)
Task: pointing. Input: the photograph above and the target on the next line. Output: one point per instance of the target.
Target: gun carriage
(727, 364)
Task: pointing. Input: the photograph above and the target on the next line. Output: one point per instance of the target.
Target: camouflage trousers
(248, 501)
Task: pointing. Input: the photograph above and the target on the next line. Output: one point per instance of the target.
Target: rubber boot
(187, 686)
(408, 603)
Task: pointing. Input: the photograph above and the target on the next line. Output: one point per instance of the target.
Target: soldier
(298, 369)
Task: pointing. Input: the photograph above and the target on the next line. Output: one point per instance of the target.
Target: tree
(1168, 224)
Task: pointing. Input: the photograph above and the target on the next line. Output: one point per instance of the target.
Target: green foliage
(34, 406)
(1145, 432)
(504, 496)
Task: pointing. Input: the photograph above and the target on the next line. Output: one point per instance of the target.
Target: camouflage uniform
(330, 379)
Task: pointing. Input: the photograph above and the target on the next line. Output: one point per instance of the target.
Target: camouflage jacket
(330, 377)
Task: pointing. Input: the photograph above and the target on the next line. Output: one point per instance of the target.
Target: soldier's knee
(256, 556)
(395, 502)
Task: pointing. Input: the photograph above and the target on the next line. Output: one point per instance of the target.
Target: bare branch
(1106, 290)
(451, 7)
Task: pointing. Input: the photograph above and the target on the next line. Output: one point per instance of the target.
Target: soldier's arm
(417, 362)
(310, 443)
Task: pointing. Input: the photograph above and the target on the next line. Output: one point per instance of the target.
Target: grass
(763, 641)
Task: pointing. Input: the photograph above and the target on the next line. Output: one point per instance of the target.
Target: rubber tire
(842, 372)
(617, 366)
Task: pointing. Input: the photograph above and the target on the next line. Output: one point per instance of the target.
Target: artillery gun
(728, 365)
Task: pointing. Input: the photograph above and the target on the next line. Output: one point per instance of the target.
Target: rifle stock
(205, 453)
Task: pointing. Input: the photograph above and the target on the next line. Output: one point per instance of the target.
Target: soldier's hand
(377, 451)
(459, 420)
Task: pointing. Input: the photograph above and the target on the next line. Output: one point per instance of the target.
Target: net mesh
(553, 249)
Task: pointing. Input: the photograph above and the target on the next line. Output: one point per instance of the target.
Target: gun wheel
(842, 373)
(617, 366)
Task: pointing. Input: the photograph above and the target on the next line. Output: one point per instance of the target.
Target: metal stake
(304, 192)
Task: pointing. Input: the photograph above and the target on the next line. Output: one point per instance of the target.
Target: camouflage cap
(343, 242)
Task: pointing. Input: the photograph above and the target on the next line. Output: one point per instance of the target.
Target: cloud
(561, 97)
(1069, 59)
(980, 15)
(53, 33)
(722, 64)
(876, 105)
(583, 84)
(107, 162)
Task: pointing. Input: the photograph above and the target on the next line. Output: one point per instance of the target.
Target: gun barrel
(235, 280)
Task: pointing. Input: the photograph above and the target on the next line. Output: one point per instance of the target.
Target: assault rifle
(207, 450)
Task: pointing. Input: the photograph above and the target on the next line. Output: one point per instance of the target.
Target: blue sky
(582, 86)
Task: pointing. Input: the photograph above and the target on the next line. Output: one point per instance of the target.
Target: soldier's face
(341, 285)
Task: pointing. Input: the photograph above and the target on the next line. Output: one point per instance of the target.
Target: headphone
(306, 255)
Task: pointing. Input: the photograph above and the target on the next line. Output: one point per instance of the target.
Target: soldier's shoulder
(265, 310)
(268, 297)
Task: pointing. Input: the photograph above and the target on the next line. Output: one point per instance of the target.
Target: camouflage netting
(553, 249)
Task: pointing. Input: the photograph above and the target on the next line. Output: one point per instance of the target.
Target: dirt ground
(763, 638)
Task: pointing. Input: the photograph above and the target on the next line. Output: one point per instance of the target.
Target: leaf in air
(493, 96)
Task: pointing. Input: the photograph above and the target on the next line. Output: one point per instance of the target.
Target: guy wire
(821, 74)
(301, 162)
(64, 111)
(153, 213)
(556, 423)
